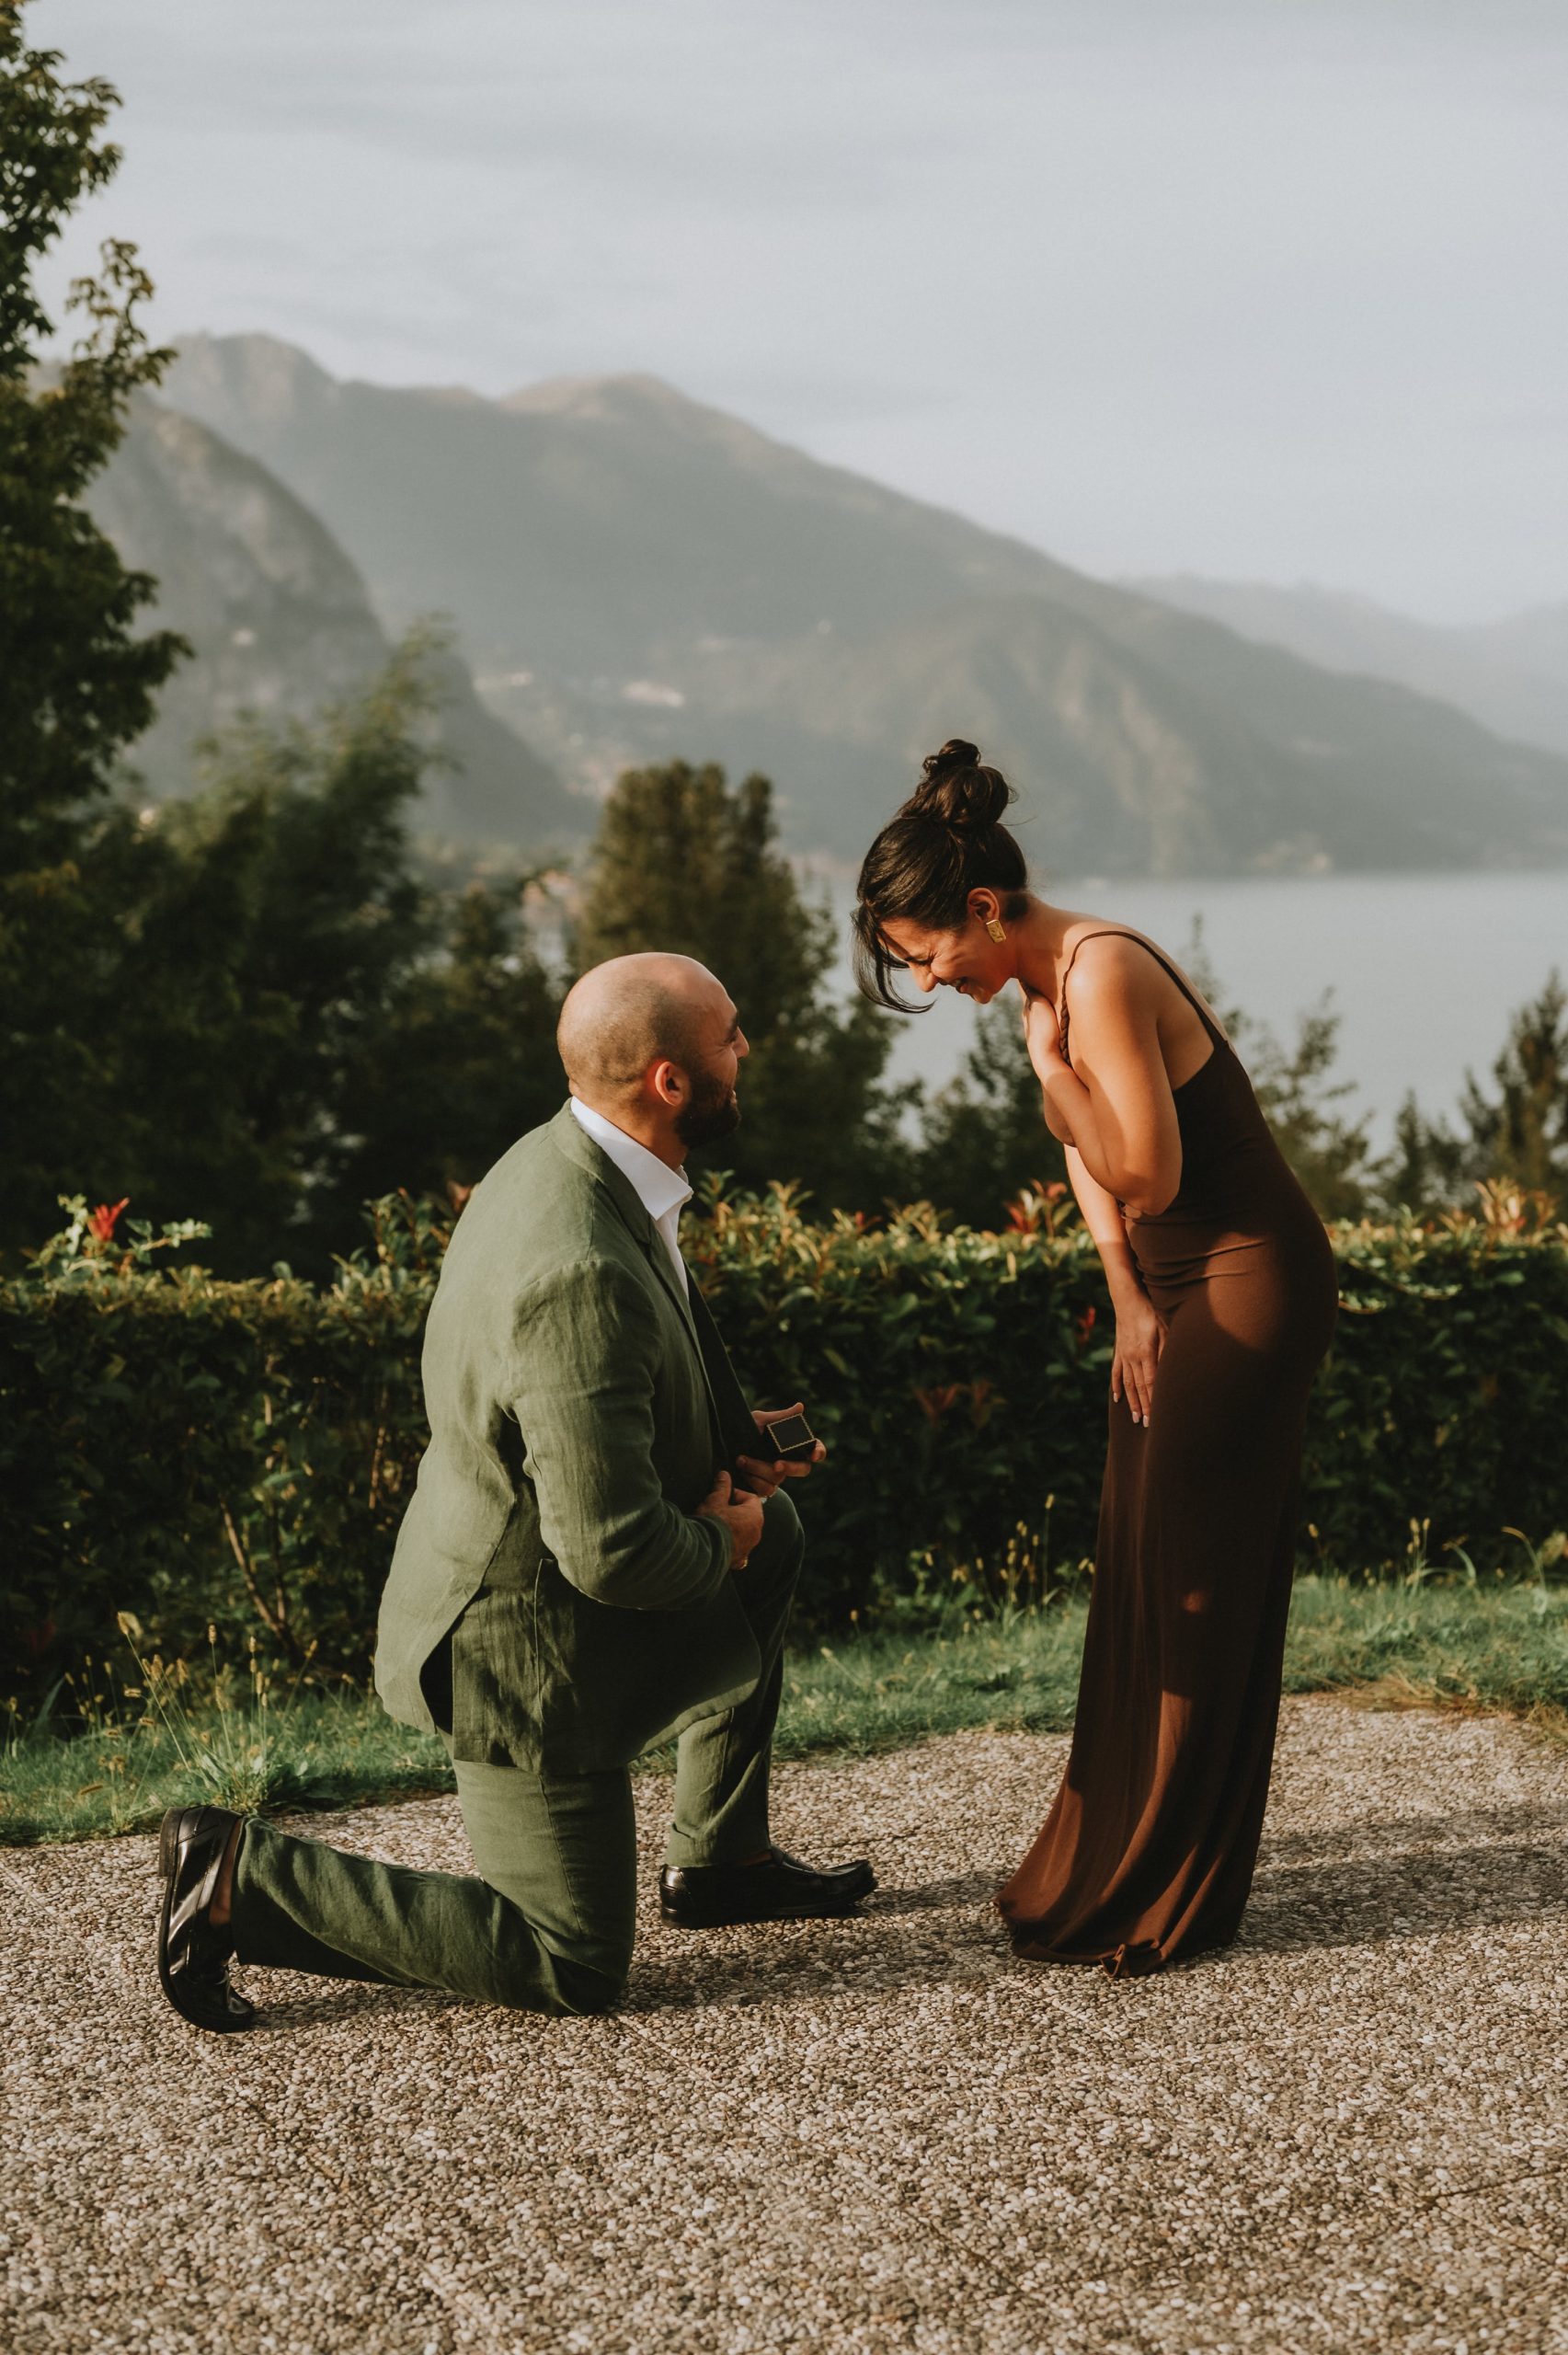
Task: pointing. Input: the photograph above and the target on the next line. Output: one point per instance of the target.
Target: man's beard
(714, 1113)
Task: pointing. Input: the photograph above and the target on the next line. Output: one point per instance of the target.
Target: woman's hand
(1140, 1337)
(1042, 1036)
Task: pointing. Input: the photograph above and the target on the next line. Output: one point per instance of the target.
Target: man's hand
(741, 1515)
(763, 1477)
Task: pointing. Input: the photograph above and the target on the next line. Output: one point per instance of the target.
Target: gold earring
(996, 928)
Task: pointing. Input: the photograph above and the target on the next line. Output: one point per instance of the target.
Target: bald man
(600, 1551)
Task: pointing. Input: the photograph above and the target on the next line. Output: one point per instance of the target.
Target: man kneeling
(600, 1551)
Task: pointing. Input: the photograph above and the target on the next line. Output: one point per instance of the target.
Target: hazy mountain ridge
(635, 575)
(1511, 674)
(1114, 733)
(669, 521)
(282, 624)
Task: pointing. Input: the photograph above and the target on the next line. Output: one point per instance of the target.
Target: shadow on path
(1334, 1841)
(1405, 1894)
(1350, 1902)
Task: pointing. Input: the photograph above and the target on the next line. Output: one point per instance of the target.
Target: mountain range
(634, 576)
(281, 624)
(1511, 674)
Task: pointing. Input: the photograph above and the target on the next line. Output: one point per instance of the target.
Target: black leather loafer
(193, 1956)
(779, 1889)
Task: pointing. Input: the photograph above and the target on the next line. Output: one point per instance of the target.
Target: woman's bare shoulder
(1120, 967)
(1106, 961)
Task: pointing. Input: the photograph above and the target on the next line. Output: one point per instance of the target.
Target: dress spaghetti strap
(1119, 931)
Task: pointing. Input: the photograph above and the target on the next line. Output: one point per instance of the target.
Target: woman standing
(1224, 1290)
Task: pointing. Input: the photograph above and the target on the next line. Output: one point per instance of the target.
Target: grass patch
(880, 1691)
(317, 1751)
(1483, 1648)
(1475, 1648)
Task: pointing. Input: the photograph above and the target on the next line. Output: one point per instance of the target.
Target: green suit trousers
(546, 1924)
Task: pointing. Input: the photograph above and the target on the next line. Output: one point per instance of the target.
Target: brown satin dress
(1147, 1855)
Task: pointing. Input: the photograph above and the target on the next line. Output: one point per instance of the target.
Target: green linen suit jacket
(554, 1601)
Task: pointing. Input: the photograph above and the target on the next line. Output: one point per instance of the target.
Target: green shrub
(202, 1452)
(239, 1454)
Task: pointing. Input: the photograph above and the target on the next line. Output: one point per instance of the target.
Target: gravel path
(1352, 2132)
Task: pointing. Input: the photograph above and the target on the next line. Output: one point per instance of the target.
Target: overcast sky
(1272, 290)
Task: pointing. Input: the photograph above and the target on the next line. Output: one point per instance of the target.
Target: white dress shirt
(662, 1191)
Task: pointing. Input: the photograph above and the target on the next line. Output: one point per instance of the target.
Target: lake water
(1425, 969)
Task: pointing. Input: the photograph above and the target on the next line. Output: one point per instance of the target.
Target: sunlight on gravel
(1350, 2133)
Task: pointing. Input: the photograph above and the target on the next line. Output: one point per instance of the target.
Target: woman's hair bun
(966, 797)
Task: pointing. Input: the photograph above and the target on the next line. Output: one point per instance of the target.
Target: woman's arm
(1103, 1217)
(1117, 1109)
(1140, 1329)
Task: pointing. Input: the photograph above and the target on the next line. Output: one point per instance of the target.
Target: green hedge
(195, 1453)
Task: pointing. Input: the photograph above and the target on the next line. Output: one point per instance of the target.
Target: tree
(1426, 1171)
(1521, 1133)
(983, 1137)
(245, 1006)
(682, 861)
(1329, 1152)
(298, 1020)
(465, 1062)
(76, 684)
(1517, 1136)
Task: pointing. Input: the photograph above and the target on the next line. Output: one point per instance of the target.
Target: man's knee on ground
(561, 1967)
(583, 1990)
(534, 1978)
